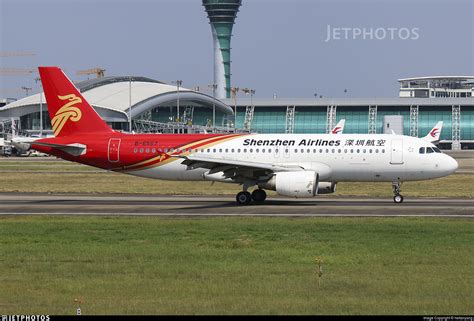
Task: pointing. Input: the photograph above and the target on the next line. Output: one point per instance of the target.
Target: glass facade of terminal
(313, 119)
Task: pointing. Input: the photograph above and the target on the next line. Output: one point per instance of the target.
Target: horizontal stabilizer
(71, 149)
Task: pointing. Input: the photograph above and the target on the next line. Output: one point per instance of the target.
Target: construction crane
(16, 71)
(16, 53)
(99, 72)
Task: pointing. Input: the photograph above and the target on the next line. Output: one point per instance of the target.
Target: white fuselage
(345, 157)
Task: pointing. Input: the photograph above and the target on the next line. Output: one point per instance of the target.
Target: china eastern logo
(336, 130)
(434, 132)
(67, 112)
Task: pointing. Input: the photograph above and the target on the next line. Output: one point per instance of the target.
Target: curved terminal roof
(462, 78)
(110, 96)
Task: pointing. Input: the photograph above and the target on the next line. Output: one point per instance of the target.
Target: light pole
(26, 89)
(38, 79)
(234, 91)
(178, 84)
(130, 104)
(251, 92)
(214, 87)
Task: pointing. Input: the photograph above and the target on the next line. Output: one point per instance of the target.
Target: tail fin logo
(434, 132)
(66, 112)
(336, 130)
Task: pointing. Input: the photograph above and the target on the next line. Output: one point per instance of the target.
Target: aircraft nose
(450, 164)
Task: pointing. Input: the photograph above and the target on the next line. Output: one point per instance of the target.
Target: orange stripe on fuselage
(165, 158)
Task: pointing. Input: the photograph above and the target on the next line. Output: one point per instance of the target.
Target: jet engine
(326, 187)
(299, 184)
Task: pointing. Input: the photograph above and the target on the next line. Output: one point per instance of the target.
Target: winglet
(435, 133)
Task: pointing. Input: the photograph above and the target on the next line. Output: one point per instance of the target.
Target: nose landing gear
(398, 198)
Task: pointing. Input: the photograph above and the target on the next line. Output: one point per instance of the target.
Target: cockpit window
(422, 150)
(436, 149)
(429, 150)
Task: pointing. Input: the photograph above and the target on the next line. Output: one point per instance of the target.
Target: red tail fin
(70, 113)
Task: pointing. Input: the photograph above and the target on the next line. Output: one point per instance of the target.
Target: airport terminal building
(160, 107)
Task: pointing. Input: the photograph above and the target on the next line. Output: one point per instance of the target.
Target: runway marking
(241, 215)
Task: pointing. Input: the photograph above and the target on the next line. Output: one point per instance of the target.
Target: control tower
(222, 15)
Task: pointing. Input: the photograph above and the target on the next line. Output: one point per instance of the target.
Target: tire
(398, 198)
(243, 198)
(259, 195)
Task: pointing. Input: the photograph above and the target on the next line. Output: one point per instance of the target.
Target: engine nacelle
(299, 184)
(326, 187)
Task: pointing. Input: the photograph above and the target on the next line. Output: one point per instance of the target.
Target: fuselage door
(397, 151)
(113, 151)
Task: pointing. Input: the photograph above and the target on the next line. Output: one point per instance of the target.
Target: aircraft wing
(233, 168)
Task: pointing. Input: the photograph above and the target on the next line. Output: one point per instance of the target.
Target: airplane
(339, 128)
(23, 143)
(293, 165)
(435, 133)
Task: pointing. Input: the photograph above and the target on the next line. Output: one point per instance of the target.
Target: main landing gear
(398, 198)
(244, 197)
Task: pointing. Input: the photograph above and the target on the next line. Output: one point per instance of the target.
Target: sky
(291, 48)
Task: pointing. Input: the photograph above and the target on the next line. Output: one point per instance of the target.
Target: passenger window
(141, 150)
(383, 151)
(345, 151)
(364, 151)
(153, 150)
(308, 150)
(238, 150)
(245, 150)
(302, 150)
(352, 151)
(320, 151)
(251, 150)
(377, 151)
(208, 150)
(147, 150)
(296, 151)
(370, 151)
(257, 150)
(135, 150)
(213, 150)
(327, 150)
(314, 150)
(358, 151)
(333, 151)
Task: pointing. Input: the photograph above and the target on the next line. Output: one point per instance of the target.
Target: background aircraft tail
(435, 133)
(339, 128)
(69, 112)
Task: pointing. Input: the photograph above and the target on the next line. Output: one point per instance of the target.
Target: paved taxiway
(160, 205)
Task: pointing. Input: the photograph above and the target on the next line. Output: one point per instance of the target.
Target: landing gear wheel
(259, 195)
(243, 198)
(396, 191)
(398, 198)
